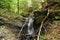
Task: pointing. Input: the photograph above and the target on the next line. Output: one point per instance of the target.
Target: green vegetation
(11, 12)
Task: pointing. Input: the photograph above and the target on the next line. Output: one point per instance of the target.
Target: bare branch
(42, 25)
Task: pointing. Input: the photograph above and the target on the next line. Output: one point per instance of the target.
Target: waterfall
(30, 29)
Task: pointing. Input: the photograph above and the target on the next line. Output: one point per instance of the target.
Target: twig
(42, 25)
(22, 28)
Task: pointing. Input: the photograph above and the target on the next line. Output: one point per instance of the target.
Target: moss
(42, 37)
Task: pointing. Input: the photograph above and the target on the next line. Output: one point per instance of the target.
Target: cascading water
(30, 26)
(30, 29)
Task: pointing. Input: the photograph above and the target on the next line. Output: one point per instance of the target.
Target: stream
(30, 29)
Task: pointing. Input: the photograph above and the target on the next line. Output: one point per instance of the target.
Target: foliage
(8, 5)
(11, 5)
(42, 37)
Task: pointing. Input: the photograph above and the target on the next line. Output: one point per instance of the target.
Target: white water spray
(30, 26)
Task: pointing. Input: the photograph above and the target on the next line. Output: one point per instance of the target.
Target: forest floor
(54, 32)
(8, 33)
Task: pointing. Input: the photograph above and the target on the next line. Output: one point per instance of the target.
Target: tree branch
(24, 25)
(42, 25)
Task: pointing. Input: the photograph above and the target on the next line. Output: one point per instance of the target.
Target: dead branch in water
(31, 15)
(22, 28)
(42, 25)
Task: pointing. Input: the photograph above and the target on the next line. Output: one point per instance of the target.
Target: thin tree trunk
(18, 6)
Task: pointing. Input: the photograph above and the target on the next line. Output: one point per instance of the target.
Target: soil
(54, 32)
